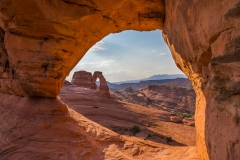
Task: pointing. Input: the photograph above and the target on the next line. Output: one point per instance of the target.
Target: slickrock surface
(169, 98)
(119, 116)
(176, 119)
(41, 41)
(47, 129)
(115, 114)
(82, 79)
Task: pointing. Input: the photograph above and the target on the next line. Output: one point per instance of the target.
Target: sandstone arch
(103, 87)
(41, 41)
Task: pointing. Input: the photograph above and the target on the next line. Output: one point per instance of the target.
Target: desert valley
(45, 117)
(153, 115)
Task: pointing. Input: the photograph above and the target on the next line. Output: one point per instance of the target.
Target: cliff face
(50, 37)
(181, 82)
(204, 38)
(41, 41)
(169, 98)
(82, 79)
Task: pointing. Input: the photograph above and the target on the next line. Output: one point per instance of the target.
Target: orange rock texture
(42, 128)
(41, 41)
(44, 40)
(204, 38)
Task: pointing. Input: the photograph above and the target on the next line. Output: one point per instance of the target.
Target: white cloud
(96, 64)
(154, 50)
(97, 47)
(81, 65)
(104, 63)
(161, 54)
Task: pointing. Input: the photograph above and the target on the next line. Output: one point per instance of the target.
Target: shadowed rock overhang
(41, 41)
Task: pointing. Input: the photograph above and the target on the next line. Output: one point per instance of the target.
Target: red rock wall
(50, 37)
(41, 41)
(82, 79)
(204, 39)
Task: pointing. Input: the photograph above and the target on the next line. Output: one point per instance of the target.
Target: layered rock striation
(47, 129)
(41, 41)
(204, 38)
(50, 37)
(82, 79)
(87, 80)
(169, 98)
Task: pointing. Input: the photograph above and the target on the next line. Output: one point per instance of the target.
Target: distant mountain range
(180, 82)
(154, 77)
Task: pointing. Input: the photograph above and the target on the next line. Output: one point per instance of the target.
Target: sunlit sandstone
(41, 41)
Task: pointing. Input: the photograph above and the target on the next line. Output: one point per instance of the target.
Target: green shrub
(169, 139)
(148, 136)
(186, 115)
(135, 129)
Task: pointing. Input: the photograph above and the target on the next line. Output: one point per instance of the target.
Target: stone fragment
(41, 42)
(189, 121)
(176, 119)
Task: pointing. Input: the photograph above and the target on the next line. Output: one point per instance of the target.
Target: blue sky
(129, 55)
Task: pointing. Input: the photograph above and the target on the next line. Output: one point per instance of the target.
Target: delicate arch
(103, 87)
(51, 36)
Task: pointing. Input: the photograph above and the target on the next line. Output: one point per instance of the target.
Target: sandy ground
(40, 128)
(120, 117)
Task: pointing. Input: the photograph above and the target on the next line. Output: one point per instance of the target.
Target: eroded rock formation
(41, 41)
(50, 37)
(204, 38)
(87, 80)
(82, 79)
(47, 129)
(103, 87)
(164, 97)
(120, 117)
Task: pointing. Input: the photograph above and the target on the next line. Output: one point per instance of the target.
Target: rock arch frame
(50, 37)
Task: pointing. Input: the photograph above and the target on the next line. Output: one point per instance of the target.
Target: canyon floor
(166, 139)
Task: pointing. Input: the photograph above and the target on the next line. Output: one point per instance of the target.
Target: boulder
(189, 121)
(41, 42)
(176, 119)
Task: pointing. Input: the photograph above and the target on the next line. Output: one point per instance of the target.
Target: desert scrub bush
(169, 139)
(186, 115)
(135, 129)
(148, 136)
